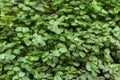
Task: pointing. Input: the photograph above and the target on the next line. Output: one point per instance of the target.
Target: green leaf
(58, 30)
(56, 53)
(83, 77)
(9, 45)
(38, 39)
(2, 56)
(107, 51)
(76, 64)
(26, 66)
(0, 67)
(20, 35)
(8, 67)
(57, 2)
(15, 77)
(27, 42)
(95, 48)
(11, 57)
(55, 60)
(62, 38)
(34, 58)
(39, 75)
(21, 74)
(82, 6)
(2, 47)
(16, 69)
(22, 29)
(57, 78)
(63, 50)
(10, 72)
(103, 11)
(92, 58)
(82, 54)
(25, 78)
(17, 51)
(88, 66)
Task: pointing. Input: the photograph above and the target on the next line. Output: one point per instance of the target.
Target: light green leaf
(103, 11)
(2, 47)
(34, 58)
(88, 66)
(8, 67)
(20, 35)
(21, 74)
(10, 72)
(25, 78)
(63, 50)
(22, 29)
(95, 48)
(82, 54)
(16, 69)
(11, 57)
(92, 58)
(17, 51)
(39, 75)
(107, 50)
(56, 53)
(27, 42)
(83, 77)
(38, 39)
(57, 2)
(2, 56)
(57, 78)
(15, 77)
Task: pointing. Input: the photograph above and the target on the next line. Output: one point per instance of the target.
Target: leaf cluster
(59, 39)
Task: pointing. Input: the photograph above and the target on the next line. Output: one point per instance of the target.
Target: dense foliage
(59, 39)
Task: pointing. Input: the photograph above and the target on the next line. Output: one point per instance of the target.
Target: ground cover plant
(59, 39)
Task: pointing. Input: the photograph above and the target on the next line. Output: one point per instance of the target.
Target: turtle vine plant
(59, 39)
